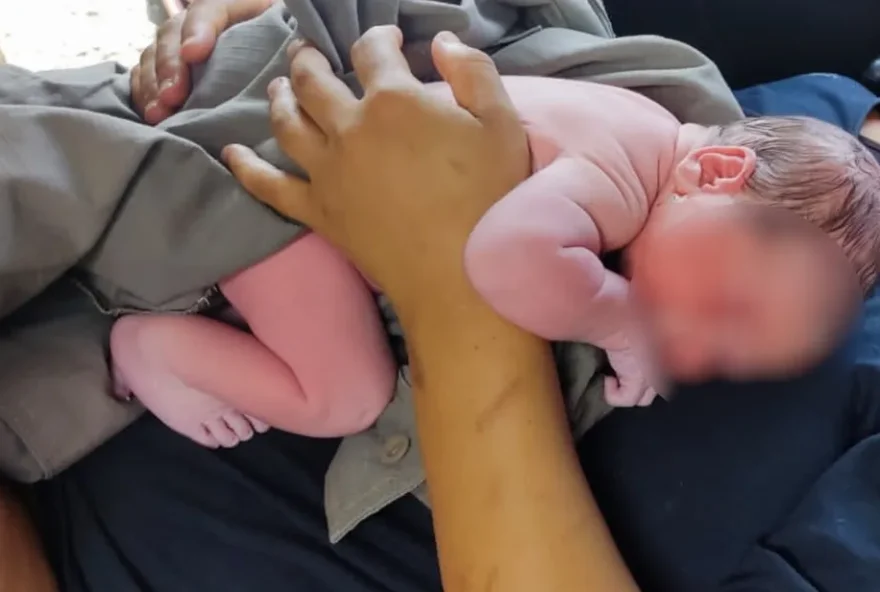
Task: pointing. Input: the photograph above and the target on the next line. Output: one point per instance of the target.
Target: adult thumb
(473, 78)
(286, 194)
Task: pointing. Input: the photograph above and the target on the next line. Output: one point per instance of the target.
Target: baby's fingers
(647, 397)
(617, 394)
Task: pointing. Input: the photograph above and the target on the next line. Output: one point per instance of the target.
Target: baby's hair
(821, 173)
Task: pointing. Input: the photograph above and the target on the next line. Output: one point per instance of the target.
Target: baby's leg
(328, 368)
(172, 364)
(333, 373)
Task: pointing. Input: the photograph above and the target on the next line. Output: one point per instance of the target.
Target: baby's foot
(195, 414)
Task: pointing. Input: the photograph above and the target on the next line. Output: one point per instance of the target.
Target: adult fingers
(172, 74)
(143, 80)
(206, 19)
(137, 96)
(378, 60)
(295, 131)
(147, 99)
(286, 194)
(325, 98)
(474, 80)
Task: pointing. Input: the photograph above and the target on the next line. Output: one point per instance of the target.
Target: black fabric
(871, 77)
(152, 512)
(734, 488)
(757, 41)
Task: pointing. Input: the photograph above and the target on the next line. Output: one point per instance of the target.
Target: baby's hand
(630, 387)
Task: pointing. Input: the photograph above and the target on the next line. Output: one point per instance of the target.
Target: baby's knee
(140, 341)
(137, 332)
(125, 334)
(353, 402)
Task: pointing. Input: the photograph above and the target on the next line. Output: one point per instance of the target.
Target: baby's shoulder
(596, 121)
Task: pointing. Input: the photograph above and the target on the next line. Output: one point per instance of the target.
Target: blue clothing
(832, 98)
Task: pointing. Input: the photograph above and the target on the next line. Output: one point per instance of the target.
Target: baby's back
(631, 138)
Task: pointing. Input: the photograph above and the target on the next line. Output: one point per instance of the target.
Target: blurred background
(47, 34)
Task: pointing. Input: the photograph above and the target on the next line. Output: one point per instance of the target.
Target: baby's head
(819, 172)
(731, 287)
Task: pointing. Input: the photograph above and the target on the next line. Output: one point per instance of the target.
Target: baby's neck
(690, 137)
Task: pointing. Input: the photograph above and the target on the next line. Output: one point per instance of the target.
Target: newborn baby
(613, 172)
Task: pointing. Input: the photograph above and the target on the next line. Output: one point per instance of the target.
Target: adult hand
(160, 83)
(399, 178)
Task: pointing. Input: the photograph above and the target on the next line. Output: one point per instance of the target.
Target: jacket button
(395, 448)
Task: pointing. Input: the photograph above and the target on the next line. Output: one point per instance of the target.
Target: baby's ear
(723, 170)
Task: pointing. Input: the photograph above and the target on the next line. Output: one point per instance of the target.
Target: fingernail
(275, 86)
(448, 37)
(228, 152)
(295, 44)
(166, 84)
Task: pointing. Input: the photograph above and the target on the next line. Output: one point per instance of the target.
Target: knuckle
(357, 47)
(300, 77)
(388, 101)
(284, 124)
(365, 40)
(373, 37)
(281, 123)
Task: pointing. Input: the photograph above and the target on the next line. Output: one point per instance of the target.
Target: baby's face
(718, 299)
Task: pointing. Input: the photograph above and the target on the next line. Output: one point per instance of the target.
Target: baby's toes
(204, 437)
(239, 424)
(222, 432)
(260, 427)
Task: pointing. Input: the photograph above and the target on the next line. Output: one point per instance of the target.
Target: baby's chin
(743, 371)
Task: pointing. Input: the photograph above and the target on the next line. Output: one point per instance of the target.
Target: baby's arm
(534, 257)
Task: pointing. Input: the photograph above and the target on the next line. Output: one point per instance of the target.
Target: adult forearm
(512, 509)
(23, 567)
